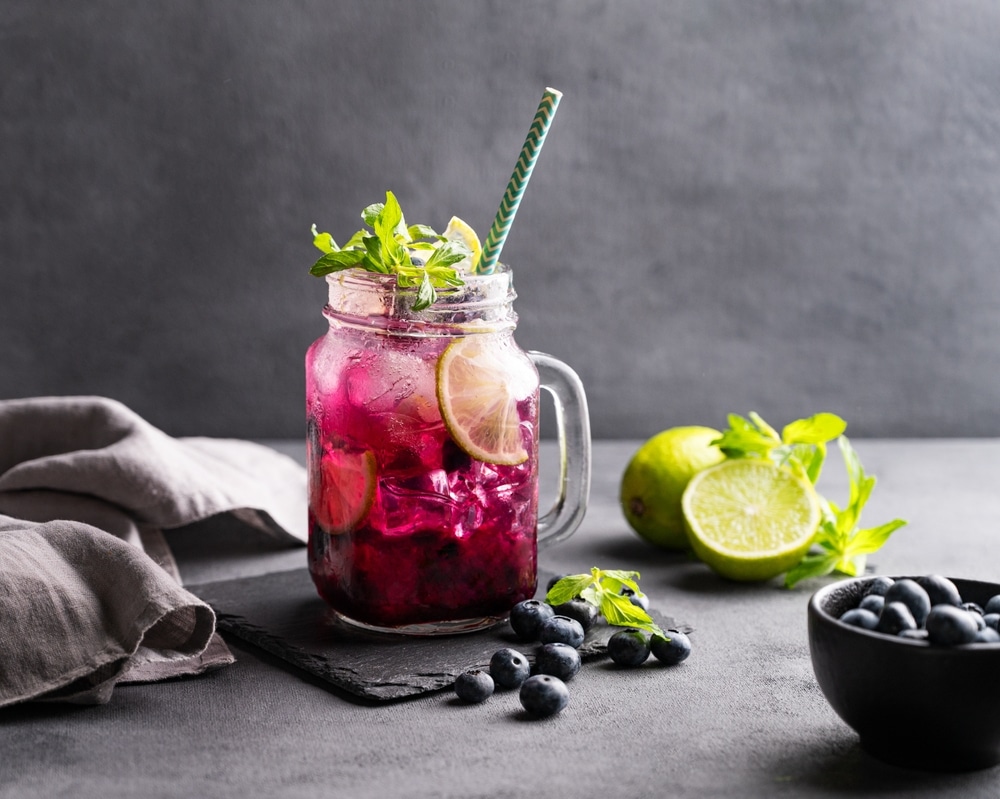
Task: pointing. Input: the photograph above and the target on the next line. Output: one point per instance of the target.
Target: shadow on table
(843, 767)
(679, 570)
(630, 549)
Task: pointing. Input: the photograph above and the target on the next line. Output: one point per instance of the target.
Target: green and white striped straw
(515, 188)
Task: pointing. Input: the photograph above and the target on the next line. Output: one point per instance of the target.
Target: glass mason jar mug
(423, 455)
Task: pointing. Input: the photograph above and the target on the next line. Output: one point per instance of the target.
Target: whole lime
(656, 477)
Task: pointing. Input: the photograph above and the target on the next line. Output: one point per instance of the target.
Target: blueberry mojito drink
(422, 433)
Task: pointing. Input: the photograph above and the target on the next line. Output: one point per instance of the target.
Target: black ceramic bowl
(913, 704)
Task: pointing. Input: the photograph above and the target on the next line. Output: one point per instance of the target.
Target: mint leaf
(425, 294)
(742, 439)
(354, 242)
(336, 261)
(619, 611)
(450, 252)
(385, 225)
(372, 213)
(567, 588)
(864, 542)
(374, 246)
(813, 565)
(323, 241)
(421, 232)
(817, 429)
(623, 576)
(614, 581)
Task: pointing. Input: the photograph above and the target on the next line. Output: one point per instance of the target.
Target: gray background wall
(742, 204)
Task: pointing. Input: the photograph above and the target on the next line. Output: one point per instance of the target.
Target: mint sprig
(602, 588)
(800, 448)
(841, 544)
(389, 249)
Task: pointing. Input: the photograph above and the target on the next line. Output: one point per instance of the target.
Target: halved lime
(460, 230)
(345, 489)
(480, 381)
(749, 519)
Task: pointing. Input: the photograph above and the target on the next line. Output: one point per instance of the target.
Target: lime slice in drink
(749, 519)
(345, 490)
(479, 383)
(459, 230)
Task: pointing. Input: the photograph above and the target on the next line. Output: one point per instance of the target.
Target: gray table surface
(743, 717)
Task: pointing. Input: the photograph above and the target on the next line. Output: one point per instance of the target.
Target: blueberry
(873, 602)
(987, 636)
(918, 634)
(672, 649)
(978, 618)
(913, 596)
(639, 600)
(992, 605)
(992, 620)
(940, 590)
(526, 618)
(474, 686)
(629, 647)
(879, 585)
(416, 260)
(544, 695)
(558, 660)
(861, 617)
(581, 610)
(973, 607)
(948, 626)
(561, 630)
(895, 618)
(509, 668)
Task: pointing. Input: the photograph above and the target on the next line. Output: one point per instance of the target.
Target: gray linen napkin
(89, 593)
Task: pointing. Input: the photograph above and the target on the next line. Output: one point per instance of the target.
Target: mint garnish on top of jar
(420, 257)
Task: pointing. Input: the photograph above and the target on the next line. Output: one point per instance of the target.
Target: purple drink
(406, 528)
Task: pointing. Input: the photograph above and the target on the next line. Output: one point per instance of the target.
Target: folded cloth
(89, 593)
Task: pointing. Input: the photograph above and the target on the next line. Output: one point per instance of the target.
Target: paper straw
(515, 188)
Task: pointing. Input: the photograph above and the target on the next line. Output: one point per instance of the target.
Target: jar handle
(573, 423)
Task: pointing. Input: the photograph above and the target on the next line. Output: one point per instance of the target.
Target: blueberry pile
(928, 608)
(560, 631)
(631, 647)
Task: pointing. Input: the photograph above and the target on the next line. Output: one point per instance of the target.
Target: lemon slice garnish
(480, 381)
(459, 230)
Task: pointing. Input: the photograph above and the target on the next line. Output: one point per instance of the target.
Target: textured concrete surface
(743, 717)
(768, 205)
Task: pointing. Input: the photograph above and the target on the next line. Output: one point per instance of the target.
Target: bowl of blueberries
(911, 664)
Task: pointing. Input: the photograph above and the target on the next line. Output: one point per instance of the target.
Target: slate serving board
(282, 614)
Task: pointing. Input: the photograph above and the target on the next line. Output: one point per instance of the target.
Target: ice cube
(417, 502)
(386, 378)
